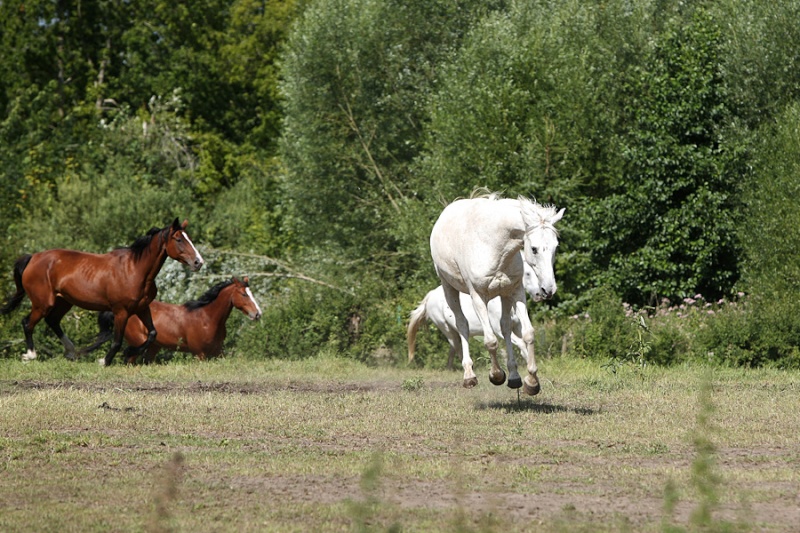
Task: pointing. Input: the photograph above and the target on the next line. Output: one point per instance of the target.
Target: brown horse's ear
(246, 281)
(235, 280)
(175, 225)
(185, 223)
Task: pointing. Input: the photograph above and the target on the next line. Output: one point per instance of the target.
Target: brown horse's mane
(140, 245)
(209, 296)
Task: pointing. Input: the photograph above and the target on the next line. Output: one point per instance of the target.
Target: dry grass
(331, 445)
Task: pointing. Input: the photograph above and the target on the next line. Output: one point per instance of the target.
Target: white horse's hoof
(30, 355)
(470, 382)
(531, 385)
(497, 379)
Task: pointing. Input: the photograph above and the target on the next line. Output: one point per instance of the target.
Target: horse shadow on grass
(527, 406)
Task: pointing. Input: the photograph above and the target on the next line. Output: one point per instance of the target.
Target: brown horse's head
(180, 247)
(243, 299)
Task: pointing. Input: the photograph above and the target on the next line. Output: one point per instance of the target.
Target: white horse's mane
(542, 212)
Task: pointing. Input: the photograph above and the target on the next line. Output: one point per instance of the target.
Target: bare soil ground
(559, 492)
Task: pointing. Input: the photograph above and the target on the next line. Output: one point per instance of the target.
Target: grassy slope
(331, 445)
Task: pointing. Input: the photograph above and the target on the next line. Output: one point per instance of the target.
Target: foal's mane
(209, 296)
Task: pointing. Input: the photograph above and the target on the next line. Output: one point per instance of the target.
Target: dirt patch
(200, 387)
(561, 488)
(602, 503)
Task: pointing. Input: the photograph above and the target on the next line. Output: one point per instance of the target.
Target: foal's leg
(454, 340)
(53, 319)
(455, 346)
(514, 381)
(120, 321)
(530, 384)
(496, 374)
(454, 302)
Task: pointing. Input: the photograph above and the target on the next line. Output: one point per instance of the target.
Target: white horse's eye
(534, 250)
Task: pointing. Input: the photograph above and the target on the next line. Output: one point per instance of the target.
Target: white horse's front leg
(451, 296)
(496, 374)
(531, 382)
(514, 381)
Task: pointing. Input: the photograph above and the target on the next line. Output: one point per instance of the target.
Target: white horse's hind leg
(531, 382)
(453, 301)
(514, 381)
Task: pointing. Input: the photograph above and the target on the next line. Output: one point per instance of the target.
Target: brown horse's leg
(28, 324)
(53, 319)
(147, 320)
(27, 327)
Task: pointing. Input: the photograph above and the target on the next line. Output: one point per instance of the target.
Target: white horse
(475, 247)
(434, 307)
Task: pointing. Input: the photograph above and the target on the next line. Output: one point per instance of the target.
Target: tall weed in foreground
(166, 492)
(705, 480)
(364, 514)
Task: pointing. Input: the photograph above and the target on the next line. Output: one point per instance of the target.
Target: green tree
(669, 227)
(357, 76)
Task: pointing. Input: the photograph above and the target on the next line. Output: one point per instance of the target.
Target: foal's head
(243, 299)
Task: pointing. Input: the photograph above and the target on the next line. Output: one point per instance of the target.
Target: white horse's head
(540, 243)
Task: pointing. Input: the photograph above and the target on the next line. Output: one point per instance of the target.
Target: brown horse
(121, 281)
(198, 326)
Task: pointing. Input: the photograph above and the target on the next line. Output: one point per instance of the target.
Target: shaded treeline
(311, 144)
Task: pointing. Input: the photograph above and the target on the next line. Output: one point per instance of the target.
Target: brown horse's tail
(417, 316)
(14, 301)
(105, 321)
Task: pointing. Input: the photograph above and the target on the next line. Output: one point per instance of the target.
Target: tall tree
(669, 228)
(357, 75)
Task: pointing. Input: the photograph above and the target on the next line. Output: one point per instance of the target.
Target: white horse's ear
(529, 216)
(558, 215)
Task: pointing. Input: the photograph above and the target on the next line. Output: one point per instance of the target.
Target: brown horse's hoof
(471, 382)
(497, 379)
(515, 383)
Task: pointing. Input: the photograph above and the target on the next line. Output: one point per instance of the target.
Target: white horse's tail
(417, 317)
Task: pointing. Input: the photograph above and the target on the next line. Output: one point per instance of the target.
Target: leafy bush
(603, 331)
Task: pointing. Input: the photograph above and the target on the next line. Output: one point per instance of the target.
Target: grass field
(332, 445)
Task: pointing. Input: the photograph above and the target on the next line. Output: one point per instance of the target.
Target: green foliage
(669, 228)
(306, 321)
(666, 128)
(761, 60)
(522, 106)
(139, 178)
(356, 79)
(768, 329)
(604, 331)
